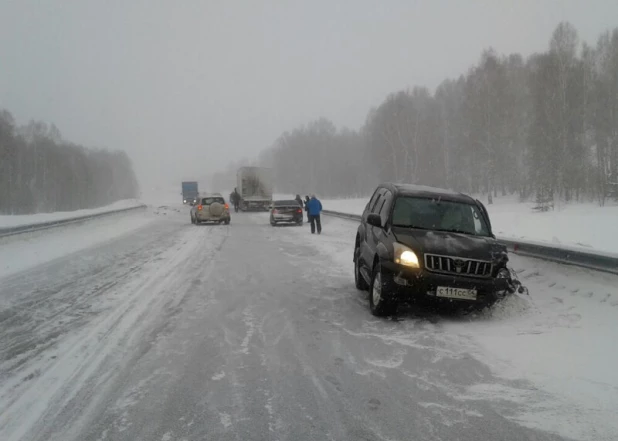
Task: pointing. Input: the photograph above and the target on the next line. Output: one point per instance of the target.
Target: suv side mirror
(374, 220)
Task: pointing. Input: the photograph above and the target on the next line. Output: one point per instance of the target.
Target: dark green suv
(425, 244)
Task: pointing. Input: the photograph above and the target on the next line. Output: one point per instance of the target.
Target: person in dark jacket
(307, 209)
(299, 200)
(235, 198)
(314, 208)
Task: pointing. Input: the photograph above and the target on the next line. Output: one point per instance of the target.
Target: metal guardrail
(598, 261)
(20, 229)
(354, 217)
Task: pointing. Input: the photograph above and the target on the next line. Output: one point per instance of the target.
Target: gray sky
(184, 86)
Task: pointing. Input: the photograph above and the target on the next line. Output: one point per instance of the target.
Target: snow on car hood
(450, 244)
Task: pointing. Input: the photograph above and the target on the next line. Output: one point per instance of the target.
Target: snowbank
(560, 338)
(32, 219)
(19, 253)
(586, 226)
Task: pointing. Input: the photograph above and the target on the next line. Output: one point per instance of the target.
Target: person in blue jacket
(314, 208)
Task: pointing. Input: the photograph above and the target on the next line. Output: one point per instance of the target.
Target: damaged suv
(426, 244)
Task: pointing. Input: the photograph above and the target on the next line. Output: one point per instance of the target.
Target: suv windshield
(438, 215)
(208, 201)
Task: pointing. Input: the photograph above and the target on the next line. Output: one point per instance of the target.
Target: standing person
(307, 208)
(314, 208)
(299, 200)
(235, 200)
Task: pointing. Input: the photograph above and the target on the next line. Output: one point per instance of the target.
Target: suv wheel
(359, 280)
(381, 302)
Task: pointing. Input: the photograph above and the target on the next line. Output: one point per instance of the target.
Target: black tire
(197, 221)
(381, 303)
(227, 221)
(273, 223)
(359, 280)
(192, 220)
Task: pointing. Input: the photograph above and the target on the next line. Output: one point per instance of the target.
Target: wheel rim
(377, 289)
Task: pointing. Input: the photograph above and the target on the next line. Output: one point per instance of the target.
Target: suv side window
(377, 204)
(372, 201)
(387, 201)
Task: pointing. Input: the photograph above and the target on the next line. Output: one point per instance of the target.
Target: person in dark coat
(307, 209)
(299, 200)
(314, 208)
(235, 198)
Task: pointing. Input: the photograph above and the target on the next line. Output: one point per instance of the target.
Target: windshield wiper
(455, 230)
(411, 226)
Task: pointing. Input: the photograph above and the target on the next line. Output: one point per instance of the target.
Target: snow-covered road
(248, 332)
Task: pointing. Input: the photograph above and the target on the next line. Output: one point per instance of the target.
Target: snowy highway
(172, 331)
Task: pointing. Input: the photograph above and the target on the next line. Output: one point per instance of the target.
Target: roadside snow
(587, 226)
(19, 253)
(560, 339)
(32, 219)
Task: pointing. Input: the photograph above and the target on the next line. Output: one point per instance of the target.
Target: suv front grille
(456, 265)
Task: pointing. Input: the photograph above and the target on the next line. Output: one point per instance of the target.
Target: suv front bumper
(420, 284)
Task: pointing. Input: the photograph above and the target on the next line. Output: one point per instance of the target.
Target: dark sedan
(288, 211)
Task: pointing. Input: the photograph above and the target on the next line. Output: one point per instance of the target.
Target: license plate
(456, 293)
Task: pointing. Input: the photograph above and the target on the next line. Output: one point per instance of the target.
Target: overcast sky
(185, 86)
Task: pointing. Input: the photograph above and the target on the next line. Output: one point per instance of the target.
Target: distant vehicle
(190, 192)
(428, 245)
(211, 208)
(288, 211)
(255, 186)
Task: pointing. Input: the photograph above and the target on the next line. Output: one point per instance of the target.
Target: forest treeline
(545, 127)
(41, 172)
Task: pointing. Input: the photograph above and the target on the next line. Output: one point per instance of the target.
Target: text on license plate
(456, 293)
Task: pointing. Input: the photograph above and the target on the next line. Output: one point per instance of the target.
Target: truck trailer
(255, 186)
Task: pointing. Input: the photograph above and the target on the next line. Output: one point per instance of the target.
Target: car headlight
(185, 201)
(405, 256)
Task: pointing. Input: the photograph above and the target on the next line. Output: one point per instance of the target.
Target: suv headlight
(405, 256)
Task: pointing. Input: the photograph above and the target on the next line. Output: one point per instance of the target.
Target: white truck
(255, 186)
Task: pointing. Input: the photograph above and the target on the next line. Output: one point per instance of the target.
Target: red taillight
(299, 211)
(199, 207)
(227, 207)
(275, 211)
